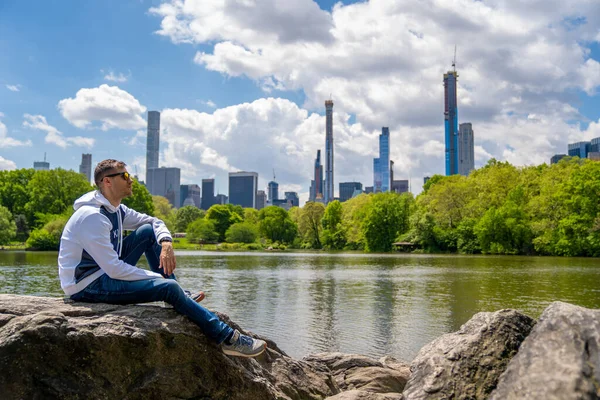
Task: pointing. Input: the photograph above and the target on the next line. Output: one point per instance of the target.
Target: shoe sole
(198, 297)
(236, 354)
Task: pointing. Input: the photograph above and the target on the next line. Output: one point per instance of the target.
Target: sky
(241, 84)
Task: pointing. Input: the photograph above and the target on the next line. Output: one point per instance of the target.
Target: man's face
(121, 183)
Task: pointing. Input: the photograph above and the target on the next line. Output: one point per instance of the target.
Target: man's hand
(167, 258)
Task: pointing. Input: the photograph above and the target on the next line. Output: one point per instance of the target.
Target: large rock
(52, 348)
(467, 364)
(559, 360)
(364, 376)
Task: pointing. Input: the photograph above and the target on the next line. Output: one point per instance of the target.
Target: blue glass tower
(381, 165)
(451, 122)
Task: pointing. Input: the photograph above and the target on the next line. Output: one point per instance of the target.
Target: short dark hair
(106, 167)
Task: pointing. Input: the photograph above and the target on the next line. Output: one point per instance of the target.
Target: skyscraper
(381, 165)
(41, 165)
(190, 192)
(165, 182)
(85, 168)
(273, 189)
(318, 177)
(152, 144)
(292, 198)
(329, 193)
(451, 122)
(579, 149)
(242, 188)
(208, 193)
(261, 199)
(466, 149)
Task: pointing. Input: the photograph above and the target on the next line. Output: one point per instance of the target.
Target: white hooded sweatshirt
(92, 240)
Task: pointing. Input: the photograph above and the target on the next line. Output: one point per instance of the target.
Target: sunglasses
(124, 175)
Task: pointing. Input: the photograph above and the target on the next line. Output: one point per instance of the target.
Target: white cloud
(109, 105)
(116, 78)
(208, 103)
(139, 139)
(53, 135)
(14, 88)
(7, 165)
(6, 141)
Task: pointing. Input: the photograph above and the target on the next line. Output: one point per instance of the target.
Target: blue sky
(241, 84)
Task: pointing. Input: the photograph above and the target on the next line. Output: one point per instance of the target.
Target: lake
(369, 304)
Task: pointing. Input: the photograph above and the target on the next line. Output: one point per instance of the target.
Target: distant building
(152, 144)
(208, 193)
(594, 156)
(85, 168)
(261, 199)
(368, 189)
(329, 188)
(188, 202)
(466, 149)
(41, 165)
(556, 158)
(381, 165)
(425, 179)
(579, 149)
(190, 192)
(347, 190)
(595, 145)
(165, 182)
(317, 182)
(400, 186)
(451, 122)
(273, 189)
(221, 199)
(242, 188)
(293, 198)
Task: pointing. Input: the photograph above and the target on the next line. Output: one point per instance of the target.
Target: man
(96, 264)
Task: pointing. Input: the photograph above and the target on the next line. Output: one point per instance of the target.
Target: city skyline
(251, 97)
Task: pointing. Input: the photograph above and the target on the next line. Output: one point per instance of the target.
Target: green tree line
(497, 209)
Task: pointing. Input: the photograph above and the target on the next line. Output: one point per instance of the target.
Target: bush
(242, 232)
(253, 246)
(48, 237)
(8, 228)
(202, 231)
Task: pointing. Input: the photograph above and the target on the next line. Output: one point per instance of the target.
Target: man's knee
(145, 231)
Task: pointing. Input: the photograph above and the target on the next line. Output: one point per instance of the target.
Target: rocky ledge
(53, 348)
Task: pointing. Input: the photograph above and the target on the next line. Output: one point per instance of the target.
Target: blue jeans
(115, 291)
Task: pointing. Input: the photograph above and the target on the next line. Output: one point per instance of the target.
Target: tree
(276, 225)
(309, 224)
(54, 191)
(386, 218)
(185, 216)
(202, 230)
(22, 228)
(354, 212)
(164, 211)
(48, 237)
(13, 189)
(8, 228)
(140, 200)
(251, 215)
(223, 216)
(333, 233)
(242, 232)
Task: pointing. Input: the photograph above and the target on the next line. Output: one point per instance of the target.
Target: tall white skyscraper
(152, 144)
(466, 149)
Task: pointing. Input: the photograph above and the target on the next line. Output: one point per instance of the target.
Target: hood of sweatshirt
(94, 198)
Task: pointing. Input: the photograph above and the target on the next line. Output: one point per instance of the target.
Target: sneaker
(243, 346)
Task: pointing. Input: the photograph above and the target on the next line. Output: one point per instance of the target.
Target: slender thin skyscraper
(451, 122)
(85, 168)
(328, 151)
(318, 175)
(152, 142)
(466, 149)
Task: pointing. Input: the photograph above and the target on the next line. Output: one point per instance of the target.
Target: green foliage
(185, 216)
(8, 228)
(354, 213)
(387, 217)
(13, 189)
(202, 231)
(141, 199)
(308, 220)
(242, 232)
(164, 211)
(334, 235)
(223, 216)
(251, 215)
(48, 237)
(54, 192)
(22, 228)
(276, 225)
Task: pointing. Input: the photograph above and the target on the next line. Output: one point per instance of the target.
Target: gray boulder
(362, 375)
(559, 360)
(467, 364)
(52, 348)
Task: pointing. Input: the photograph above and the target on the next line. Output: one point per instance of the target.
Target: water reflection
(369, 304)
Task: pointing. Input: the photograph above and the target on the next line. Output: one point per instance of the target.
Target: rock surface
(357, 373)
(52, 348)
(558, 360)
(467, 364)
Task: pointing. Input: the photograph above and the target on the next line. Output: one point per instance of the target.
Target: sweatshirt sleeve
(134, 220)
(94, 237)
